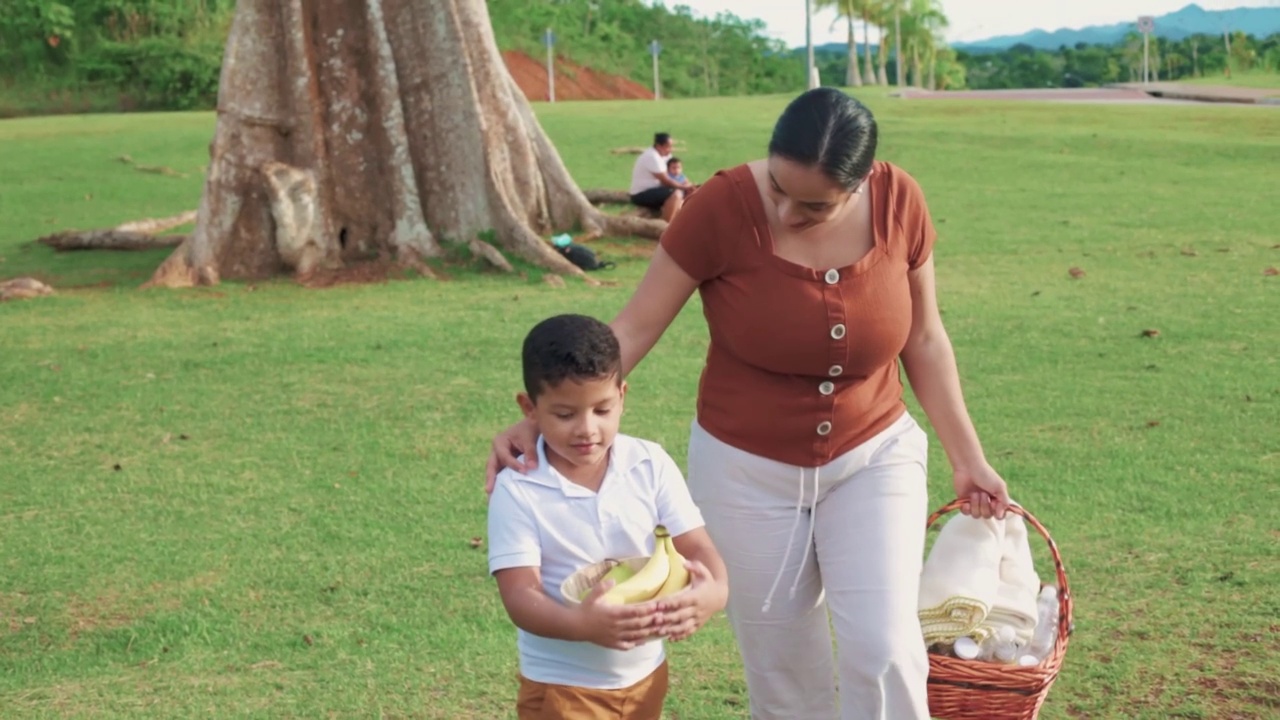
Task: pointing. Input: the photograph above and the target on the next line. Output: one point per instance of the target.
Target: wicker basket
(975, 690)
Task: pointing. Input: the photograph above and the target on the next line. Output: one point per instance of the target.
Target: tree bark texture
(358, 129)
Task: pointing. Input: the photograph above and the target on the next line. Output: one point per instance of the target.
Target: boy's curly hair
(569, 347)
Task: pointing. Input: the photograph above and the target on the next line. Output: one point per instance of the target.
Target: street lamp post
(549, 39)
(655, 48)
(1146, 24)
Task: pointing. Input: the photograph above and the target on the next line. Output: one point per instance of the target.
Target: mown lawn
(260, 500)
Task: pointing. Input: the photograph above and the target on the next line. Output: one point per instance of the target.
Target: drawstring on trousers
(804, 559)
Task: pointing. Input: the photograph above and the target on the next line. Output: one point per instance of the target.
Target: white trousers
(846, 539)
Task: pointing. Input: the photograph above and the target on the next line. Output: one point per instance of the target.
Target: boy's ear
(525, 402)
(622, 390)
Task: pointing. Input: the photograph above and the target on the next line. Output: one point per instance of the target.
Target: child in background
(675, 170)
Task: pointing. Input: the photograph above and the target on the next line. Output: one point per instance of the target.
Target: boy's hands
(619, 627)
(681, 614)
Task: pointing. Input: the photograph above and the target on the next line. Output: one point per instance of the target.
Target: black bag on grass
(584, 257)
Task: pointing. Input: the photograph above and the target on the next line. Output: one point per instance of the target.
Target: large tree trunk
(355, 129)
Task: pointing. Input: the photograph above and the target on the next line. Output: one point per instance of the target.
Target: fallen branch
(634, 212)
(135, 235)
(151, 226)
(23, 288)
(636, 149)
(155, 169)
(599, 197)
(109, 239)
(633, 226)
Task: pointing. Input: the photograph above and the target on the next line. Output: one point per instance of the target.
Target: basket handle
(1065, 624)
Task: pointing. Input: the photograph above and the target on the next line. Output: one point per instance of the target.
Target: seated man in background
(651, 186)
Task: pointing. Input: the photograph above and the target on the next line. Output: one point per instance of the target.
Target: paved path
(1043, 94)
(1205, 93)
(1167, 94)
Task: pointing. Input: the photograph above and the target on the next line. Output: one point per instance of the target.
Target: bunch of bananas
(664, 574)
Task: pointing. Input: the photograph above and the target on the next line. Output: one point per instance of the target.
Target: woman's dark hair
(829, 129)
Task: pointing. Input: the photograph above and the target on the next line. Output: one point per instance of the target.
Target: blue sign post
(549, 38)
(655, 48)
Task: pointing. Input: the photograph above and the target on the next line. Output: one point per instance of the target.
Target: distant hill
(1190, 20)
(835, 48)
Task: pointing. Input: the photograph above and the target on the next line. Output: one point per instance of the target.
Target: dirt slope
(573, 82)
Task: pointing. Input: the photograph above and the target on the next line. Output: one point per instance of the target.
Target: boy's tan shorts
(642, 701)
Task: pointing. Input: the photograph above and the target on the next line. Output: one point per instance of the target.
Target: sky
(970, 19)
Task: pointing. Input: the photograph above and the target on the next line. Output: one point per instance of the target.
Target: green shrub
(162, 72)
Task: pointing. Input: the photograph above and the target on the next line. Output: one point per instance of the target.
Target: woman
(816, 275)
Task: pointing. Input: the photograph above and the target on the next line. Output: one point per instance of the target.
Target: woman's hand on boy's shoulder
(619, 627)
(516, 442)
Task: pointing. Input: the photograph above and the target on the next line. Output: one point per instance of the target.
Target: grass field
(1256, 79)
(260, 500)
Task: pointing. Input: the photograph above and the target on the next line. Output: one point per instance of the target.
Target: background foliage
(1086, 65)
(74, 55)
(90, 55)
(725, 55)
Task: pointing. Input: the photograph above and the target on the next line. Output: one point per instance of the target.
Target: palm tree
(850, 10)
(1131, 55)
(864, 8)
(847, 10)
(950, 71)
(880, 13)
(936, 20)
(922, 25)
(898, 69)
(1193, 42)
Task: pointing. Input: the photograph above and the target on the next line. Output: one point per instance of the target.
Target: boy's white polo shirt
(543, 520)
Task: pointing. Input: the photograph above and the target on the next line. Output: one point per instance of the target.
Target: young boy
(675, 170)
(595, 494)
